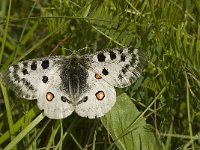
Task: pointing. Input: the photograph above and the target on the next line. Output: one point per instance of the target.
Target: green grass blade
(55, 129)
(23, 133)
(8, 111)
(19, 124)
(188, 110)
(5, 32)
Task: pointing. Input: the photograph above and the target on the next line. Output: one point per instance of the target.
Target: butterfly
(84, 84)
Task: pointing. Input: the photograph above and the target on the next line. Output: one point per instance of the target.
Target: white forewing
(119, 67)
(34, 78)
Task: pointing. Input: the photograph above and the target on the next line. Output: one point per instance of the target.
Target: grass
(160, 111)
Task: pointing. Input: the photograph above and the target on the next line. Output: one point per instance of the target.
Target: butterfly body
(74, 75)
(84, 84)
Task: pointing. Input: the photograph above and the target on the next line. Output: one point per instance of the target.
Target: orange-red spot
(100, 95)
(49, 96)
(98, 76)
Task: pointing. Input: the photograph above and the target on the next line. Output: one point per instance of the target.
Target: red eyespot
(98, 76)
(100, 95)
(49, 96)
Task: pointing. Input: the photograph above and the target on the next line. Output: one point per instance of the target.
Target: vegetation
(160, 111)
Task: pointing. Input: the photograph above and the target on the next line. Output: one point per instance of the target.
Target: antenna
(66, 37)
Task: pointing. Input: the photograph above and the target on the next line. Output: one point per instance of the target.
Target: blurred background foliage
(167, 95)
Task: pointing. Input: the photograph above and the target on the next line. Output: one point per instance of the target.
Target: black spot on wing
(34, 65)
(83, 100)
(125, 68)
(101, 57)
(45, 64)
(15, 67)
(123, 57)
(112, 55)
(25, 64)
(24, 71)
(105, 72)
(16, 77)
(27, 84)
(120, 76)
(65, 99)
(31, 87)
(133, 60)
(45, 79)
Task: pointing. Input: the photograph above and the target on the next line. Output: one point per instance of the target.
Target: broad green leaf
(128, 130)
